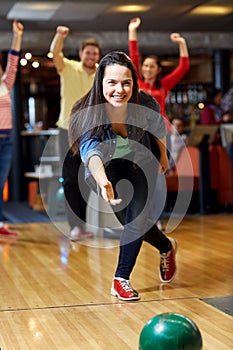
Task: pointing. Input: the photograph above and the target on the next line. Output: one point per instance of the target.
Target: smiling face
(117, 85)
(150, 69)
(90, 55)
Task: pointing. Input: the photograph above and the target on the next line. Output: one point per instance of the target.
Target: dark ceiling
(100, 18)
(99, 15)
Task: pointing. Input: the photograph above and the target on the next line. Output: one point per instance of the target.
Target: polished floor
(55, 294)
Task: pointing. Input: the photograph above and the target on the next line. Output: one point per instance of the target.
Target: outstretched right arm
(97, 170)
(56, 47)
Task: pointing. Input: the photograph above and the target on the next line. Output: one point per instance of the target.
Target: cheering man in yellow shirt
(76, 78)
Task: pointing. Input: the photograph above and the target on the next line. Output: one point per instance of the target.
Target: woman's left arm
(170, 80)
(164, 163)
(178, 39)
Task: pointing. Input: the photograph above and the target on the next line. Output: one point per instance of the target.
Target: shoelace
(165, 261)
(126, 286)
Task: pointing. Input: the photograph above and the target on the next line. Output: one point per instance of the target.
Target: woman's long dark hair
(87, 113)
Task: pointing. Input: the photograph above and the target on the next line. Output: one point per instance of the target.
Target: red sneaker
(4, 232)
(77, 233)
(168, 263)
(122, 289)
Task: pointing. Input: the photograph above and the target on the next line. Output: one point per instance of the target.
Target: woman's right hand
(108, 193)
(17, 27)
(63, 31)
(134, 24)
(97, 170)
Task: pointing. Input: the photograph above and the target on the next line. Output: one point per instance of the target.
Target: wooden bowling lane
(56, 295)
(106, 326)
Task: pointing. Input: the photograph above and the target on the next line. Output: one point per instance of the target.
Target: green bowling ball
(170, 331)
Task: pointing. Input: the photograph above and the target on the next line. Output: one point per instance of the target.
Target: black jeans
(135, 185)
(75, 188)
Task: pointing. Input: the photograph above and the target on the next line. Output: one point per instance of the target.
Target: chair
(221, 167)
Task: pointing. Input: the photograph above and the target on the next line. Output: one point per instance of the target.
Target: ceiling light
(23, 62)
(130, 8)
(212, 10)
(28, 55)
(33, 11)
(41, 6)
(35, 64)
(50, 55)
(201, 105)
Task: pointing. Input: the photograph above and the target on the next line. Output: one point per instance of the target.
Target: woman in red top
(149, 79)
(149, 76)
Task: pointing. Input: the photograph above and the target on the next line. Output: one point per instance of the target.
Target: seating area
(209, 177)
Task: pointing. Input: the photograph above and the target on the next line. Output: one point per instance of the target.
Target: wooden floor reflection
(56, 294)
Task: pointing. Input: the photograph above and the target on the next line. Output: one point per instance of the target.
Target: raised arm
(170, 80)
(56, 47)
(97, 170)
(17, 28)
(134, 24)
(178, 39)
(14, 54)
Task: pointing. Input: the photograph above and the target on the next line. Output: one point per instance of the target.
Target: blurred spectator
(228, 115)
(176, 141)
(227, 101)
(7, 80)
(213, 114)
